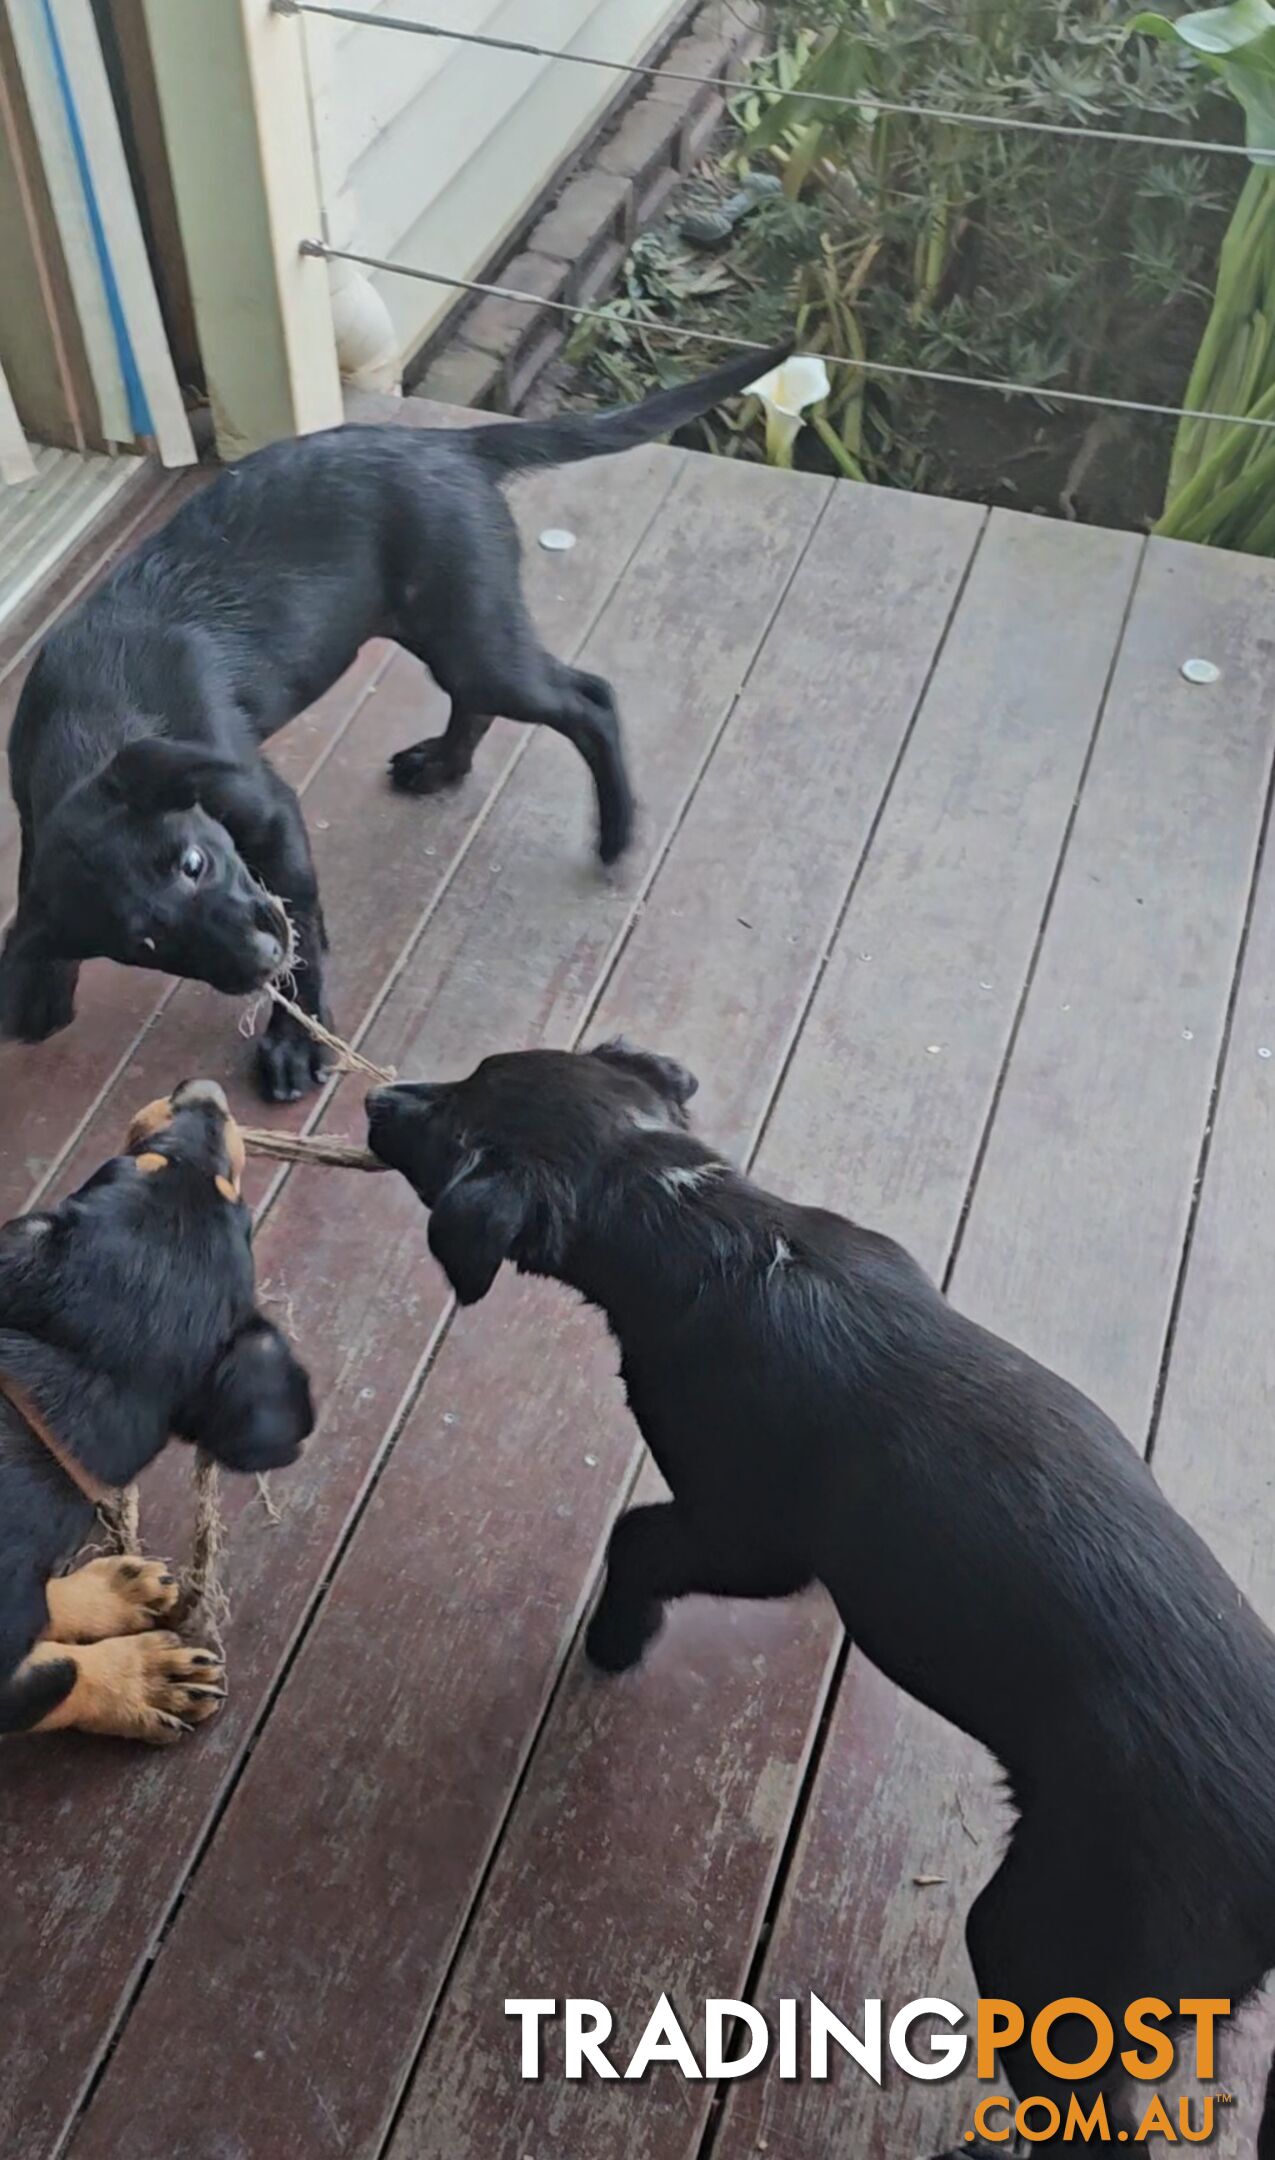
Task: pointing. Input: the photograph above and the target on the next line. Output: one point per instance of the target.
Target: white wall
(432, 153)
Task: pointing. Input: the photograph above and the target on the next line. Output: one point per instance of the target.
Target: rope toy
(310, 1148)
(203, 1606)
(347, 1058)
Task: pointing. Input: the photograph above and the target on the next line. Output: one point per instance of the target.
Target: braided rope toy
(203, 1606)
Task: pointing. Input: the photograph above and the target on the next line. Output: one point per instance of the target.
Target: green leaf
(839, 67)
(1237, 43)
(1223, 30)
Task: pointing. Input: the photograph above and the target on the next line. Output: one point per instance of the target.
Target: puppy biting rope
(203, 1607)
(298, 1148)
(306, 1148)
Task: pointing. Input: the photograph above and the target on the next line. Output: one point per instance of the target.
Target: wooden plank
(236, 115)
(481, 200)
(127, 52)
(515, 953)
(363, 81)
(699, 1759)
(116, 205)
(43, 344)
(1071, 1248)
(37, 73)
(348, 1277)
(1213, 1442)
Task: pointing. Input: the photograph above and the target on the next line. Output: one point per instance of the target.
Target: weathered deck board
(677, 637)
(1081, 1208)
(700, 1757)
(227, 1953)
(328, 1265)
(1213, 1451)
(541, 1389)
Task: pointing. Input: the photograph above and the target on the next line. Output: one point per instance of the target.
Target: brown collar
(92, 1488)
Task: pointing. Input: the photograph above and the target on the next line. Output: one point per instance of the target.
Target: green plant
(918, 242)
(1222, 477)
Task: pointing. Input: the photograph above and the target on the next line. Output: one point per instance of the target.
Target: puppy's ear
(473, 1228)
(254, 1410)
(37, 986)
(154, 774)
(663, 1073)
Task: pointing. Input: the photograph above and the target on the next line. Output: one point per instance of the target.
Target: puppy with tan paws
(127, 1316)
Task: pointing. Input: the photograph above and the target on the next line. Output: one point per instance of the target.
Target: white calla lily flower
(787, 393)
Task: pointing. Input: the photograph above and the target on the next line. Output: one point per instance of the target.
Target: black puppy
(127, 1314)
(153, 830)
(992, 1542)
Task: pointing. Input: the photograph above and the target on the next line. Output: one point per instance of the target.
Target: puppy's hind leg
(485, 654)
(1048, 1925)
(441, 761)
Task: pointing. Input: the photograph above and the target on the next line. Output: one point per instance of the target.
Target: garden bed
(1078, 266)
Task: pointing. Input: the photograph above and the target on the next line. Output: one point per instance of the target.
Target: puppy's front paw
(37, 997)
(615, 826)
(110, 1597)
(144, 1687)
(290, 1063)
(618, 1635)
(425, 768)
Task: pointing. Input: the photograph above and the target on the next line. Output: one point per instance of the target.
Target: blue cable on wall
(139, 412)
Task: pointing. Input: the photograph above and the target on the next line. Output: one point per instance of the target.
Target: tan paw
(151, 1687)
(107, 1598)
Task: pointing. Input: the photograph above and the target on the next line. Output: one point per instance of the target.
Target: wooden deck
(951, 889)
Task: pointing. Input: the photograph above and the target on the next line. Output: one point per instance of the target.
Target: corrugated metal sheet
(41, 519)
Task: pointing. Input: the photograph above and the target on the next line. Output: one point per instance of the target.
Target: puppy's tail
(573, 436)
(30, 1693)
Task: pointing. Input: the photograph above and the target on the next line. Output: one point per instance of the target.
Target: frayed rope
(203, 1605)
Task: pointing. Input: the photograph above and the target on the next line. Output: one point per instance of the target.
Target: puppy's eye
(194, 862)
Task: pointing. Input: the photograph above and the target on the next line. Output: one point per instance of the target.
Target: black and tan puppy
(153, 830)
(992, 1542)
(127, 1315)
